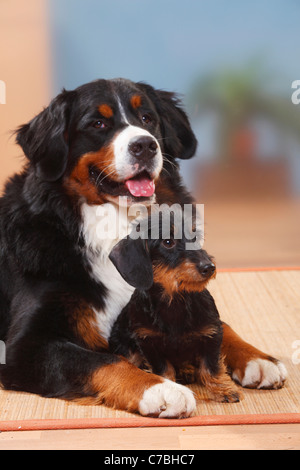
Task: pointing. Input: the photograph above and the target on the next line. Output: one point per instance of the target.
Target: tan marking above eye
(136, 101)
(105, 110)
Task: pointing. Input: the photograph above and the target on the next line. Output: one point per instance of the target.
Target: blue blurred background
(233, 63)
(169, 42)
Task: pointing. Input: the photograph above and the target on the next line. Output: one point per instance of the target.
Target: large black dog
(104, 145)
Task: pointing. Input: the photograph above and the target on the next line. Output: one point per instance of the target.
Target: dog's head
(107, 139)
(165, 260)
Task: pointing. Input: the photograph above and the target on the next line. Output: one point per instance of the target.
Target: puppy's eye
(99, 124)
(169, 243)
(147, 119)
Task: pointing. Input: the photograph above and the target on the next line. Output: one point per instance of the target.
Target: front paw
(230, 397)
(167, 400)
(261, 374)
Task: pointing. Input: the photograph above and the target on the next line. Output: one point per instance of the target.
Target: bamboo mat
(262, 306)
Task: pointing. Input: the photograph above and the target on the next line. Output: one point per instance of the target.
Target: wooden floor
(252, 437)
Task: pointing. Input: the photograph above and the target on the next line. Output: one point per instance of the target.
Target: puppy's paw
(262, 374)
(167, 400)
(233, 397)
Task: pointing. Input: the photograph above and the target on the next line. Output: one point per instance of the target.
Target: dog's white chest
(101, 236)
(119, 294)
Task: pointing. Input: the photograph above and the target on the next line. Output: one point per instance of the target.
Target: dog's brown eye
(99, 124)
(147, 119)
(169, 243)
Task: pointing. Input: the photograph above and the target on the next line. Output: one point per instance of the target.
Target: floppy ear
(43, 140)
(133, 262)
(179, 140)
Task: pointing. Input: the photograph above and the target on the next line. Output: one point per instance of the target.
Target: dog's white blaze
(97, 251)
(123, 159)
(122, 112)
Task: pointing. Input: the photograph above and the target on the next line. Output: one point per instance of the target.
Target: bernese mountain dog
(102, 146)
(172, 327)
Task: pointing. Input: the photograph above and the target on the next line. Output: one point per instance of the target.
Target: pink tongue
(140, 187)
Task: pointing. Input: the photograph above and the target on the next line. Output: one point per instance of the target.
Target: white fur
(99, 243)
(123, 164)
(119, 293)
(167, 400)
(122, 111)
(261, 373)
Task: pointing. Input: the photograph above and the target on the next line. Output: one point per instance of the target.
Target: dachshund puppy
(172, 327)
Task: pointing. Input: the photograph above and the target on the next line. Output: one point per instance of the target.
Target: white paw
(261, 373)
(167, 400)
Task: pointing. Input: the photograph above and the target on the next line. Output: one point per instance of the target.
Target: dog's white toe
(167, 400)
(262, 374)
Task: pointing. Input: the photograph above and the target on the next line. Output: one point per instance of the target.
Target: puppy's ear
(133, 262)
(43, 139)
(179, 140)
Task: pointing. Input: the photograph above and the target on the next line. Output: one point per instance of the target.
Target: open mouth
(141, 186)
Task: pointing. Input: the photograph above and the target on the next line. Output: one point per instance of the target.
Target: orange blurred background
(25, 69)
(247, 169)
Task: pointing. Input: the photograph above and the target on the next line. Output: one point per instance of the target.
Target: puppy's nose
(207, 270)
(143, 147)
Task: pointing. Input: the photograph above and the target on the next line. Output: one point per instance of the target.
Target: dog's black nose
(207, 270)
(143, 147)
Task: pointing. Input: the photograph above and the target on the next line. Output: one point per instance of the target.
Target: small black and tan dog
(172, 328)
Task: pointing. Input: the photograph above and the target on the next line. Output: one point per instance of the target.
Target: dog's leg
(220, 386)
(169, 372)
(249, 366)
(65, 370)
(124, 386)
